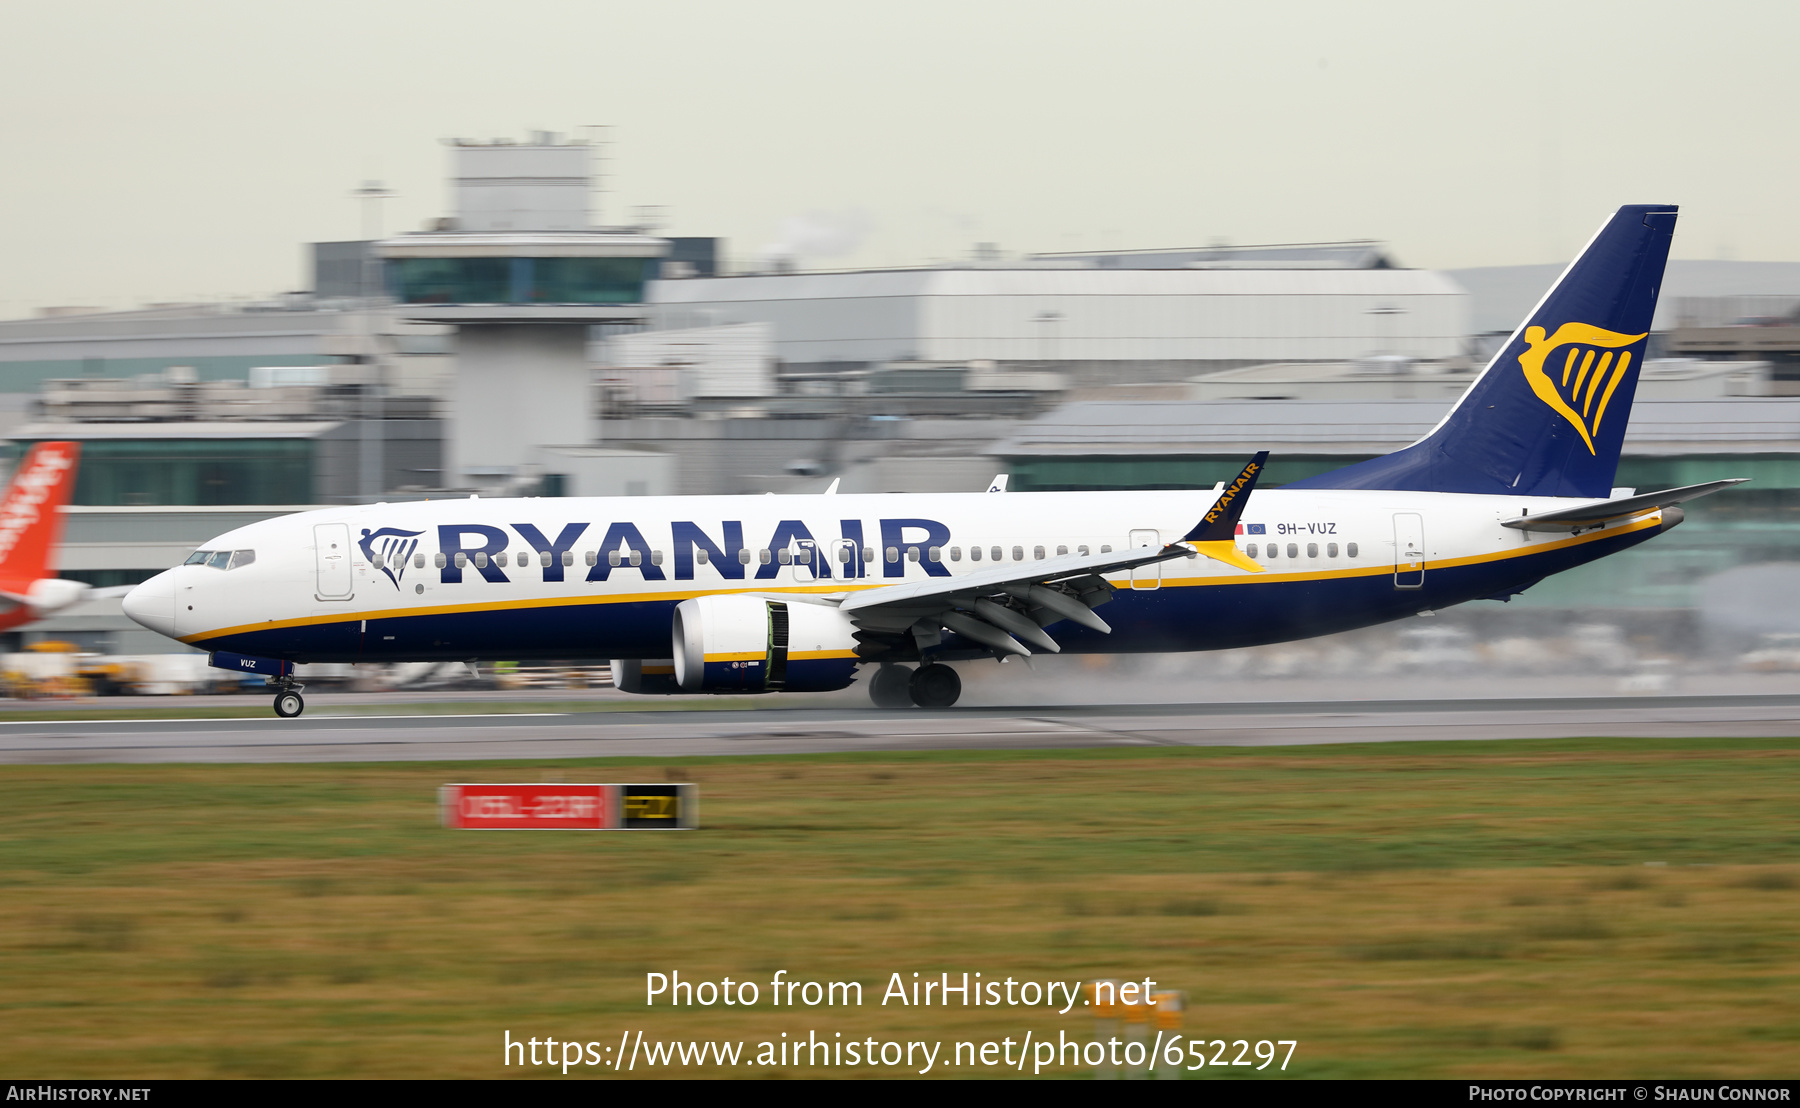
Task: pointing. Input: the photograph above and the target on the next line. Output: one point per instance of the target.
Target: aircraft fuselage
(600, 578)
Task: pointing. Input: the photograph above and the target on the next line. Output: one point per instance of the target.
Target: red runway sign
(569, 807)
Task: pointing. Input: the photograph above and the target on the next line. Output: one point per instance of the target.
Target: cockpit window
(241, 558)
(220, 559)
(197, 558)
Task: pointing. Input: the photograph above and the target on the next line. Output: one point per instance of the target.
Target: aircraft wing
(1586, 516)
(1002, 605)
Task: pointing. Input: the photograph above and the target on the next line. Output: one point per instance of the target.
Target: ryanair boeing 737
(736, 594)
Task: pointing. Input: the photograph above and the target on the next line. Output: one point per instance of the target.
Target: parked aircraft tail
(31, 516)
(1547, 416)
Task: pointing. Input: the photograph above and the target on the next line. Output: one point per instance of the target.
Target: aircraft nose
(152, 604)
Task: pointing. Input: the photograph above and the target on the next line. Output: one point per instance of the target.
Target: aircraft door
(332, 543)
(847, 553)
(1150, 576)
(1409, 550)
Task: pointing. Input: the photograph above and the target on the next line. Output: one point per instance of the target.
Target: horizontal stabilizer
(1588, 516)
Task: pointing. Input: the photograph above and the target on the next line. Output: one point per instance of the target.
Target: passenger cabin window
(500, 560)
(935, 553)
(785, 557)
(1312, 550)
(655, 558)
(868, 553)
(1037, 553)
(1250, 551)
(612, 557)
(893, 554)
(700, 555)
(1293, 550)
(1331, 550)
(744, 555)
(418, 561)
(956, 553)
(1061, 550)
(974, 553)
(1082, 550)
(764, 556)
(1105, 549)
(440, 561)
(481, 559)
(1350, 549)
(995, 553)
(912, 553)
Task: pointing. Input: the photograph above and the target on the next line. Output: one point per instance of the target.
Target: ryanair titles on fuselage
(480, 547)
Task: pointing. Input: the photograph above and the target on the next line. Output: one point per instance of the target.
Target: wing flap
(999, 606)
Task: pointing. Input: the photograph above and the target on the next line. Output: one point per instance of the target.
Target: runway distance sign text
(569, 807)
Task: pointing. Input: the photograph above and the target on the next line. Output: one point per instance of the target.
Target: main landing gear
(930, 686)
(288, 701)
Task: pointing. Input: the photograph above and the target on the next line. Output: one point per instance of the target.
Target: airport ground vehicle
(795, 593)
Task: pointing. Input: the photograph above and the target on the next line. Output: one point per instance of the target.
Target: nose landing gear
(288, 701)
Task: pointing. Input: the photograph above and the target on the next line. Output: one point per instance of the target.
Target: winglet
(1220, 524)
(1216, 534)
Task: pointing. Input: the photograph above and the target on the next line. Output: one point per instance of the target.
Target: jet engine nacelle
(735, 643)
(645, 676)
(53, 594)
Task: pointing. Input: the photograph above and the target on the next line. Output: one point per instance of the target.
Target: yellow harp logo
(1581, 382)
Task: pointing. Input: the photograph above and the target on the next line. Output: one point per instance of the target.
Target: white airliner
(794, 593)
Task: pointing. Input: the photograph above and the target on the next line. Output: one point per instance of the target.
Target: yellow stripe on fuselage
(737, 656)
(1268, 577)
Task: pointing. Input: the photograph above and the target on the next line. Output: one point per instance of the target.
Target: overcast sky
(180, 150)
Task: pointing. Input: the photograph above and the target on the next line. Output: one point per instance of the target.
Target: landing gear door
(1409, 550)
(1150, 576)
(332, 543)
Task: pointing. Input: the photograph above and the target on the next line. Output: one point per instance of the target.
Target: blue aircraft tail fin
(1547, 416)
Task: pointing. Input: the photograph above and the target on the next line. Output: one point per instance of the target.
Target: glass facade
(194, 471)
(519, 280)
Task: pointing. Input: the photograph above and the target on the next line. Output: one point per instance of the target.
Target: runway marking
(1133, 737)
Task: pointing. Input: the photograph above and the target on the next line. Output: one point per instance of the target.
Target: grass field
(1576, 908)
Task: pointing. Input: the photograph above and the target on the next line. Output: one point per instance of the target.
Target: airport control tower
(522, 274)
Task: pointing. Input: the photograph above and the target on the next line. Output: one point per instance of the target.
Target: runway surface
(675, 734)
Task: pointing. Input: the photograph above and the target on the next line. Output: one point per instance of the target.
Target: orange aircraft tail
(31, 516)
